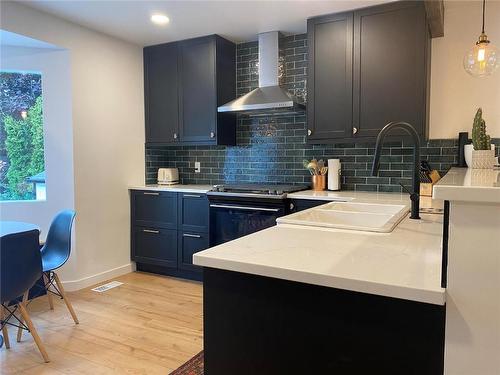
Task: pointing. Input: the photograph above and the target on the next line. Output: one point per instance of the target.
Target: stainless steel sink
(373, 217)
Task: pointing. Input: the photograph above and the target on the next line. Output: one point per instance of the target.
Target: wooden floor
(150, 325)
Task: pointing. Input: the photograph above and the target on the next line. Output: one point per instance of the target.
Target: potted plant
(481, 153)
(318, 172)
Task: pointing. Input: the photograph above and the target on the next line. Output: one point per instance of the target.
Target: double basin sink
(372, 217)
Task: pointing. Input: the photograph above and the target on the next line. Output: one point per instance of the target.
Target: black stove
(278, 191)
(239, 210)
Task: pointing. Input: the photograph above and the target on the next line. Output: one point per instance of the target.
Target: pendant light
(484, 58)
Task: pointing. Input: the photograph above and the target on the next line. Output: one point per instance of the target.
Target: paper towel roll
(334, 174)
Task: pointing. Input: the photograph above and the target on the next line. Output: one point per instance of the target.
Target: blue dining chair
(20, 268)
(55, 253)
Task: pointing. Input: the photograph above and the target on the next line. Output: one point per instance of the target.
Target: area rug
(192, 367)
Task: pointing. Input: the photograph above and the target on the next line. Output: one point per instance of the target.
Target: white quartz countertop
(347, 195)
(179, 188)
(365, 196)
(466, 184)
(405, 263)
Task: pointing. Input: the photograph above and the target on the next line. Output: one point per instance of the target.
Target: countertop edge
(466, 193)
(434, 297)
(469, 185)
(202, 189)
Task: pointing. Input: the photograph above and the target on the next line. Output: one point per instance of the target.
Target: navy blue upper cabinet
(161, 93)
(368, 68)
(203, 75)
(329, 102)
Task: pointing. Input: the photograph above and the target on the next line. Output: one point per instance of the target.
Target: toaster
(168, 176)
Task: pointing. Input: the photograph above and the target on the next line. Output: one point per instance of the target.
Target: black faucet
(415, 193)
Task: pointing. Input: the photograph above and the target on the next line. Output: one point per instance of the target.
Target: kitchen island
(301, 300)
(473, 290)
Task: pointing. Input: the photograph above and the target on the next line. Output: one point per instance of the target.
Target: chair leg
(46, 280)
(19, 329)
(65, 298)
(4, 329)
(33, 331)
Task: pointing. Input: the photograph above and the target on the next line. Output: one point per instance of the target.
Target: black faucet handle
(405, 188)
(413, 196)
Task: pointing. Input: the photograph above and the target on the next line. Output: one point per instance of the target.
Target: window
(22, 163)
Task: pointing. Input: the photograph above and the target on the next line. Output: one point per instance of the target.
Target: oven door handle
(247, 208)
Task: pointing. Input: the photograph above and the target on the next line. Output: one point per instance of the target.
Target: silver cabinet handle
(309, 132)
(192, 196)
(212, 135)
(151, 231)
(191, 235)
(175, 135)
(245, 208)
(149, 193)
(354, 130)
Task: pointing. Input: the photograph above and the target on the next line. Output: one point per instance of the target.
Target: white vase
(468, 149)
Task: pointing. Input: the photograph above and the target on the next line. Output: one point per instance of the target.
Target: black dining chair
(55, 253)
(20, 268)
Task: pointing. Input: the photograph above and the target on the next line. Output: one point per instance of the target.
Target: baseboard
(73, 285)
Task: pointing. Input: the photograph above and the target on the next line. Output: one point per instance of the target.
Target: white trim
(73, 285)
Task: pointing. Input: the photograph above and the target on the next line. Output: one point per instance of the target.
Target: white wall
(58, 134)
(108, 137)
(455, 95)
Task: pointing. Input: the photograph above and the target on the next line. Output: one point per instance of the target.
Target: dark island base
(260, 325)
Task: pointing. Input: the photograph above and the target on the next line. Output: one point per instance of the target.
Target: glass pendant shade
(482, 60)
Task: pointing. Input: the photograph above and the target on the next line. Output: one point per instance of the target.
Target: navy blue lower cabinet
(166, 230)
(154, 208)
(155, 246)
(189, 244)
(193, 212)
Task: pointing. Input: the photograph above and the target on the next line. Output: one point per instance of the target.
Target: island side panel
(260, 325)
(473, 289)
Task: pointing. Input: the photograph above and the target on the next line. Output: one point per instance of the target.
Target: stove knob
(279, 192)
(272, 192)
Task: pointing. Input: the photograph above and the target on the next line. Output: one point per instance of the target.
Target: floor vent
(106, 287)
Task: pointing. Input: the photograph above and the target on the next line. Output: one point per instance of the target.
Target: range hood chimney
(269, 98)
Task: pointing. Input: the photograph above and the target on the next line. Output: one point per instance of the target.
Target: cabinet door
(161, 93)
(190, 243)
(193, 212)
(156, 209)
(389, 67)
(155, 246)
(329, 109)
(198, 100)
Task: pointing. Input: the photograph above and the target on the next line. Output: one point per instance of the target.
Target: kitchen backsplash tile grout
(272, 149)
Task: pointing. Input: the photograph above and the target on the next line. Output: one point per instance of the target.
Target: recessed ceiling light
(160, 19)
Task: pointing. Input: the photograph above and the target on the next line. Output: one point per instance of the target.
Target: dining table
(12, 227)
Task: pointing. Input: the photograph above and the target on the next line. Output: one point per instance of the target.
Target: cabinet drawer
(193, 212)
(189, 244)
(156, 209)
(155, 246)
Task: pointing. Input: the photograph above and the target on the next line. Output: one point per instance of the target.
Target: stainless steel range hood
(269, 98)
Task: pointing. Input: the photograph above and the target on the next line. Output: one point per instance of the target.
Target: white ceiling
(233, 19)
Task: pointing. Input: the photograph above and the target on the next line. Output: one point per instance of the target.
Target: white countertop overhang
(469, 185)
(405, 263)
